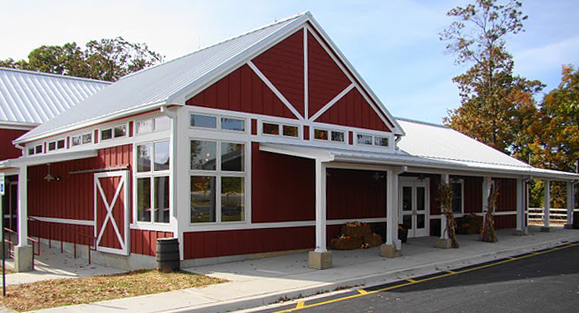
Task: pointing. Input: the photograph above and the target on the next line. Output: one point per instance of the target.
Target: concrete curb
(369, 280)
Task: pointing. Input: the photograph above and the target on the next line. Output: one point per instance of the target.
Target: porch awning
(401, 158)
(47, 158)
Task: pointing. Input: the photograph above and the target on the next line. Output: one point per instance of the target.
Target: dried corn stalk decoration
(445, 196)
(489, 232)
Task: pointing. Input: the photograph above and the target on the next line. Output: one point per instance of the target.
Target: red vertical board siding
(283, 65)
(146, 243)
(56, 200)
(253, 126)
(354, 111)
(306, 133)
(505, 221)
(283, 187)
(507, 199)
(7, 149)
(325, 78)
(242, 91)
(472, 194)
(434, 202)
(61, 232)
(223, 243)
(355, 194)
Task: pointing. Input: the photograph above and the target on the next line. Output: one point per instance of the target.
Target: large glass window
(153, 164)
(232, 124)
(203, 155)
(204, 121)
(217, 168)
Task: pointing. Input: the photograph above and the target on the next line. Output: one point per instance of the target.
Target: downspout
(21, 148)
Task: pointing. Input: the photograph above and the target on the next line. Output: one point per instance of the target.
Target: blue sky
(393, 44)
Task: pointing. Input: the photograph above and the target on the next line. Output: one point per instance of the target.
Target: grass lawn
(54, 293)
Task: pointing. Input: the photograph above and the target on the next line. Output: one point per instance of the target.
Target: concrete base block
(568, 226)
(23, 259)
(389, 251)
(443, 243)
(521, 232)
(320, 260)
(546, 229)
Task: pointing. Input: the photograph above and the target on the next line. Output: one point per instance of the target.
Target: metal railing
(555, 215)
(61, 230)
(11, 244)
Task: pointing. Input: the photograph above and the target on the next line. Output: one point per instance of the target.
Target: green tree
(555, 132)
(495, 104)
(106, 59)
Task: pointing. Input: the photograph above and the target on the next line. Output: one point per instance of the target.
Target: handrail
(35, 242)
(62, 228)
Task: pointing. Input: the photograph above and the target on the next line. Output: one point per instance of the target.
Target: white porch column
(570, 204)
(485, 194)
(521, 208)
(546, 208)
(23, 254)
(392, 246)
(320, 258)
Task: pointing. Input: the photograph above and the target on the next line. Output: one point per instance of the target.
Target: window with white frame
(80, 139)
(329, 135)
(153, 179)
(114, 132)
(372, 140)
(457, 186)
(150, 125)
(225, 123)
(276, 129)
(217, 178)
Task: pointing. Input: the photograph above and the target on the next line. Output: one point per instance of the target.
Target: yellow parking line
(361, 292)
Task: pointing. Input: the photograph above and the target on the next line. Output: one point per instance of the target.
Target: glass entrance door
(413, 202)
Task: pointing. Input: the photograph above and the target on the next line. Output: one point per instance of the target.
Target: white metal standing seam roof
(169, 83)
(157, 84)
(427, 145)
(31, 98)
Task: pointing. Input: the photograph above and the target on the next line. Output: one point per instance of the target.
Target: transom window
(153, 159)
(152, 125)
(215, 122)
(328, 135)
(276, 129)
(217, 181)
(114, 132)
(54, 145)
(372, 140)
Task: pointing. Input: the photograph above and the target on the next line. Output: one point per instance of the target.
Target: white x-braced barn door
(111, 203)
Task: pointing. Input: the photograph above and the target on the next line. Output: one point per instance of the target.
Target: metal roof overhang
(417, 163)
(45, 159)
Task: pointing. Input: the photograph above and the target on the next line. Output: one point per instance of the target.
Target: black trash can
(575, 220)
(168, 255)
(402, 233)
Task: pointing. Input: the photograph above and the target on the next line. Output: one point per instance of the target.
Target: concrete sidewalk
(265, 281)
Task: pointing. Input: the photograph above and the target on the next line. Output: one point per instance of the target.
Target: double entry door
(414, 206)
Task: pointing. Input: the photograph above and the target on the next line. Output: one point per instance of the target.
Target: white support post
(521, 228)
(23, 254)
(320, 258)
(445, 179)
(320, 206)
(393, 245)
(485, 194)
(570, 204)
(546, 208)
(23, 206)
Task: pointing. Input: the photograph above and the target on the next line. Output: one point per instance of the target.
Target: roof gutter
(101, 119)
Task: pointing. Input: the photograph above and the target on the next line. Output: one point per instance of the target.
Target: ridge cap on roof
(9, 69)
(421, 122)
(222, 42)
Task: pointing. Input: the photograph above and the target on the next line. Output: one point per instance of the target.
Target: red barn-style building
(261, 144)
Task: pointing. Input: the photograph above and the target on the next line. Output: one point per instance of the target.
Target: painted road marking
(361, 292)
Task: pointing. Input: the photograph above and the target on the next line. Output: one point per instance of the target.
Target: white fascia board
(17, 125)
(397, 128)
(237, 61)
(102, 119)
(451, 167)
(51, 158)
(300, 152)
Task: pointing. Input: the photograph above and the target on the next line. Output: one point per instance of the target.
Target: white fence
(555, 215)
